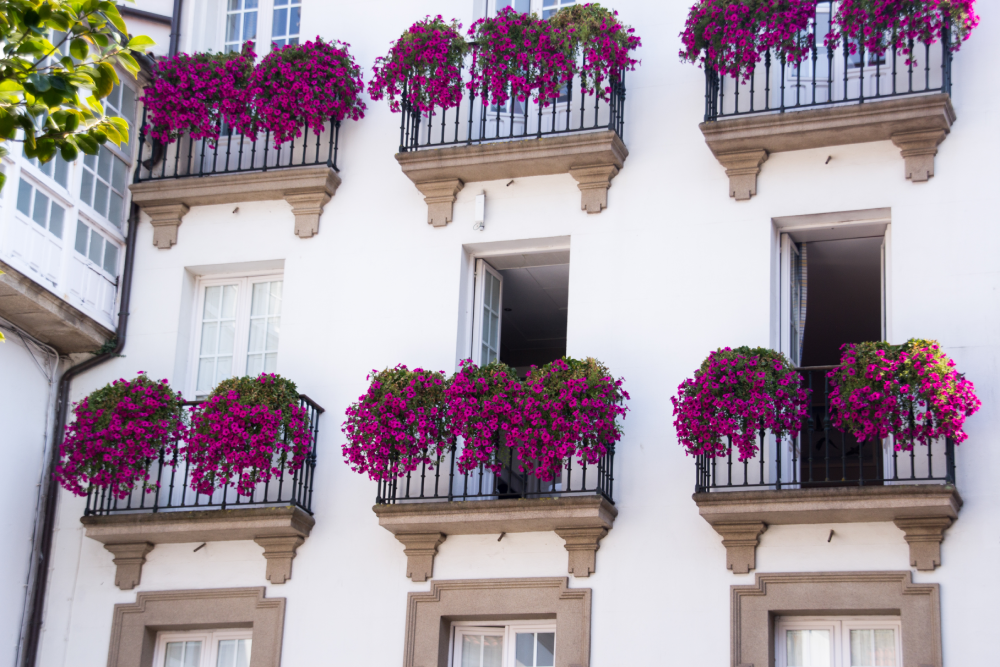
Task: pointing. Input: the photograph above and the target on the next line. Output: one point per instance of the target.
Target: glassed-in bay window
(93, 272)
(221, 648)
(239, 323)
(103, 185)
(36, 231)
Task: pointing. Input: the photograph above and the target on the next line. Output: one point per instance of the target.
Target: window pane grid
(218, 336)
(103, 184)
(286, 24)
(265, 327)
(40, 208)
(241, 24)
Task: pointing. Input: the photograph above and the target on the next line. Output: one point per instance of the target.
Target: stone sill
(47, 317)
(280, 530)
(582, 521)
(916, 124)
(166, 201)
(922, 511)
(592, 158)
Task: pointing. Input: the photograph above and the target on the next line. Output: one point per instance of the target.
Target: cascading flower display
(307, 85)
(909, 391)
(481, 405)
(117, 433)
(568, 407)
(732, 36)
(734, 395)
(197, 94)
(398, 424)
(250, 430)
(423, 67)
(605, 42)
(882, 25)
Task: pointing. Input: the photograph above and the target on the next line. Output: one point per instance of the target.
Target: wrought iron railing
(441, 481)
(831, 76)
(476, 121)
(233, 153)
(173, 475)
(819, 455)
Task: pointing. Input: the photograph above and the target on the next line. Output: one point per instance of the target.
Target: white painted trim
(209, 642)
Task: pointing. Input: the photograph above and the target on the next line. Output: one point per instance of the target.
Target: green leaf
(79, 48)
(59, 22)
(107, 81)
(99, 135)
(31, 18)
(53, 97)
(141, 43)
(58, 83)
(3, 180)
(10, 85)
(41, 83)
(72, 121)
(69, 151)
(87, 143)
(111, 11)
(128, 62)
(101, 40)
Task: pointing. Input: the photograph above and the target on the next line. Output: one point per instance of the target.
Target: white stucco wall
(671, 270)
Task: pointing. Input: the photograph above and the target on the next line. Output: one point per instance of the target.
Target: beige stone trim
(306, 189)
(924, 535)
(440, 199)
(593, 158)
(930, 508)
(47, 317)
(740, 541)
(429, 615)
(134, 626)
(835, 593)
(580, 520)
(280, 530)
(883, 120)
(742, 169)
(129, 559)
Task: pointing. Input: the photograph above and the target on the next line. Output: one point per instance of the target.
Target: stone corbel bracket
(581, 521)
(593, 159)
(130, 537)
(167, 201)
(922, 511)
(916, 124)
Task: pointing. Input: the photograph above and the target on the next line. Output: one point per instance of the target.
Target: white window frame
(209, 641)
(840, 628)
(241, 341)
(265, 25)
(506, 629)
(482, 269)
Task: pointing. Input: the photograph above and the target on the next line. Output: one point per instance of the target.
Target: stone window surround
(167, 201)
(915, 124)
(592, 158)
(754, 608)
(130, 537)
(581, 521)
(135, 625)
(429, 615)
(922, 511)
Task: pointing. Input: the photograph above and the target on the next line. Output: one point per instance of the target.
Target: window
(285, 26)
(517, 644)
(550, 7)
(101, 252)
(103, 185)
(57, 169)
(222, 648)
(239, 321)
(93, 272)
(38, 206)
(838, 642)
(36, 231)
(121, 103)
(241, 23)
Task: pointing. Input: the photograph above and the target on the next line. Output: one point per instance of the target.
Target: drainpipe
(175, 28)
(42, 556)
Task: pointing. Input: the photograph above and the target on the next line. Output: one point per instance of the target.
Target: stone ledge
(582, 521)
(306, 189)
(922, 511)
(916, 124)
(279, 530)
(47, 317)
(592, 158)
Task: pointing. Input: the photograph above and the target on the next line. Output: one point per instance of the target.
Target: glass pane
(41, 210)
(294, 15)
(280, 3)
(62, 172)
(229, 302)
(492, 651)
(104, 163)
(807, 648)
(885, 648)
(44, 168)
(128, 103)
(273, 329)
(87, 187)
(524, 652)
(183, 654)
(213, 301)
(209, 338)
(250, 4)
(96, 247)
(257, 329)
(258, 300)
(255, 364)
(101, 191)
(90, 161)
(471, 651)
(206, 375)
(234, 5)
(111, 258)
(115, 209)
(873, 648)
(223, 369)
(24, 197)
(271, 362)
(243, 649)
(115, 98)
(274, 303)
(546, 649)
(56, 218)
(280, 22)
(249, 26)
(233, 653)
(82, 234)
(227, 337)
(232, 27)
(118, 175)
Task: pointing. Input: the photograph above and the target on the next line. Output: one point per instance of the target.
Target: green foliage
(277, 393)
(57, 63)
(767, 362)
(103, 401)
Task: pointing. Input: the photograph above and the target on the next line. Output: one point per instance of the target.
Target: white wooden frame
(209, 643)
(506, 629)
(244, 283)
(840, 628)
(265, 26)
(482, 269)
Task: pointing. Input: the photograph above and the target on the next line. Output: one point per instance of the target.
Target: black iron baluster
(782, 107)
(267, 147)
(777, 458)
(319, 135)
(949, 454)
(451, 473)
(229, 145)
(946, 55)
(927, 66)
(767, 80)
(729, 462)
(909, 64)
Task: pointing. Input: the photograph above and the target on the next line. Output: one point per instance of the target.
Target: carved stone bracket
(740, 540)
(420, 549)
(924, 535)
(594, 183)
(582, 545)
(440, 198)
(129, 559)
(742, 169)
(918, 150)
(165, 219)
(279, 552)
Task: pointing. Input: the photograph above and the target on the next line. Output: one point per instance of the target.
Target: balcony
(825, 475)
(277, 515)
(427, 505)
(833, 98)
(580, 135)
(171, 178)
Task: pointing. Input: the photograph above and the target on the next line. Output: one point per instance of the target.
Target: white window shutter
(488, 313)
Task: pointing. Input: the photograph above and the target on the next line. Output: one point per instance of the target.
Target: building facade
(645, 230)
